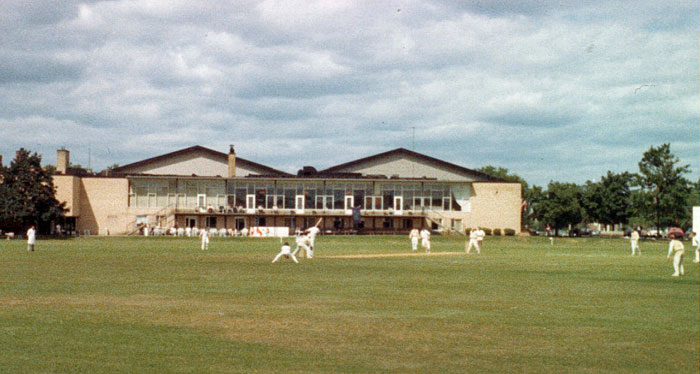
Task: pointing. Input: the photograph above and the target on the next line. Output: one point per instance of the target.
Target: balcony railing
(295, 212)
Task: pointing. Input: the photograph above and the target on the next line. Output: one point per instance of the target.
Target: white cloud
(560, 92)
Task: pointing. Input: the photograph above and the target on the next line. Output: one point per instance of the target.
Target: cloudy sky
(561, 90)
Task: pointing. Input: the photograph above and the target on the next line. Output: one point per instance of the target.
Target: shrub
(487, 230)
(467, 230)
(496, 232)
(509, 232)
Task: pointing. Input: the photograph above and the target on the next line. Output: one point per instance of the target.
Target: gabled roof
(411, 154)
(198, 148)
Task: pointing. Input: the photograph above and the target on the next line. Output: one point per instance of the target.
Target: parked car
(531, 232)
(675, 231)
(650, 233)
(581, 232)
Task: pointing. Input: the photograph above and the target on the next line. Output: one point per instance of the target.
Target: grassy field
(160, 305)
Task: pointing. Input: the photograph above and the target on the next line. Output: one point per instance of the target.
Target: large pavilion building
(390, 192)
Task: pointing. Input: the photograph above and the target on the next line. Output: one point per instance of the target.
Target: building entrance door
(398, 204)
(299, 203)
(349, 203)
(239, 223)
(190, 221)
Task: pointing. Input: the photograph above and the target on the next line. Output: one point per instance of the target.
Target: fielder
(204, 233)
(414, 235)
(304, 242)
(473, 241)
(676, 247)
(31, 238)
(480, 236)
(286, 251)
(696, 244)
(634, 241)
(425, 240)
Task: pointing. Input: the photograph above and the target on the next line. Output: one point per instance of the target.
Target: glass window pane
(338, 196)
(289, 195)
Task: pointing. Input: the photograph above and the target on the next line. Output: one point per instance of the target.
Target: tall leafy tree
(28, 194)
(662, 180)
(561, 205)
(610, 200)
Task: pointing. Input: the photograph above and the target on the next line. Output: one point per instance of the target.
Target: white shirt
(696, 242)
(414, 234)
(286, 250)
(31, 236)
(425, 234)
(313, 231)
(634, 236)
(474, 235)
(480, 234)
(204, 234)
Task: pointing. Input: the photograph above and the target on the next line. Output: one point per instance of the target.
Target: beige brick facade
(101, 205)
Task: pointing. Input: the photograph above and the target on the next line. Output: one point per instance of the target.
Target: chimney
(231, 162)
(62, 161)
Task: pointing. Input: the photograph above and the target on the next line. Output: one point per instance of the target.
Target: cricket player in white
(414, 235)
(634, 241)
(676, 248)
(286, 251)
(425, 240)
(304, 242)
(696, 244)
(473, 241)
(31, 238)
(312, 232)
(480, 237)
(204, 233)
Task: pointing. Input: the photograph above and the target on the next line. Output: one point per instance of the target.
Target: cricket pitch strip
(411, 254)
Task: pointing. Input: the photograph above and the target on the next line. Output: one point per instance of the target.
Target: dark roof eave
(461, 169)
(195, 148)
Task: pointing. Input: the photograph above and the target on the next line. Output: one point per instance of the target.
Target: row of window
(296, 195)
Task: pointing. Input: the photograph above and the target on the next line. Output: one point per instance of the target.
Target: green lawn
(160, 305)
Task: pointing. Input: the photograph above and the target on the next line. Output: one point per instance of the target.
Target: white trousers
(635, 246)
(697, 255)
(414, 244)
(425, 243)
(306, 248)
(473, 243)
(205, 243)
(678, 263)
(286, 254)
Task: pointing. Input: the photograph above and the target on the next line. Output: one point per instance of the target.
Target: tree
(560, 206)
(610, 200)
(50, 169)
(27, 194)
(667, 190)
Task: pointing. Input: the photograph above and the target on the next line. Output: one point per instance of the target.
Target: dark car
(580, 232)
